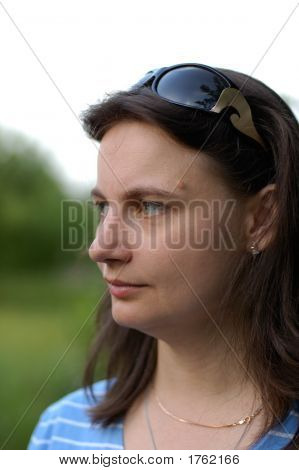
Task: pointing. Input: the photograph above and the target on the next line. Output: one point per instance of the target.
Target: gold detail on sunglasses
(243, 122)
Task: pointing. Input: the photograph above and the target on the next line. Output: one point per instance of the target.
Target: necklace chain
(152, 433)
(245, 420)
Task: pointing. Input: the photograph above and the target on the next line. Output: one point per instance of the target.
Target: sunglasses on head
(201, 87)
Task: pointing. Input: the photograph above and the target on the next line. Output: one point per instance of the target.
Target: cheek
(191, 263)
(191, 285)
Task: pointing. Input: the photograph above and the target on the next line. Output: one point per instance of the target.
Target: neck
(197, 378)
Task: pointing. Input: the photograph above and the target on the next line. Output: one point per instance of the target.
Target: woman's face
(178, 246)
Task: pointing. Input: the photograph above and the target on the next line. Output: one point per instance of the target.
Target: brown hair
(265, 286)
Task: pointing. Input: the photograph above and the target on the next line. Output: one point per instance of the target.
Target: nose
(107, 244)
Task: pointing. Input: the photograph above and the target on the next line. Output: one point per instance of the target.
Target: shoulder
(65, 424)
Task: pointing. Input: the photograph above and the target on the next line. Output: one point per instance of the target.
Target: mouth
(124, 290)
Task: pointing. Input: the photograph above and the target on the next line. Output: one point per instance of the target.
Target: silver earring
(254, 250)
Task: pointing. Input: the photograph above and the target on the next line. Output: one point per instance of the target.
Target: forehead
(134, 152)
(137, 150)
(142, 144)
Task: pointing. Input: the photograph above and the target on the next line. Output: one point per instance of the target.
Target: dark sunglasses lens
(144, 80)
(192, 86)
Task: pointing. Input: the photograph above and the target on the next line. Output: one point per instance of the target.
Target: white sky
(91, 47)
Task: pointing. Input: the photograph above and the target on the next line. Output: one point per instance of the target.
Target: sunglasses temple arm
(243, 122)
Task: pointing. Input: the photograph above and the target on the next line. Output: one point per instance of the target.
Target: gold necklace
(245, 420)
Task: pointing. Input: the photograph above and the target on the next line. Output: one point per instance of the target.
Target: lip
(117, 282)
(123, 290)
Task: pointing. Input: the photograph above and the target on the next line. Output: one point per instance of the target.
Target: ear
(261, 218)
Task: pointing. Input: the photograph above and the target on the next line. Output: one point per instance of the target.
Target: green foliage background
(48, 296)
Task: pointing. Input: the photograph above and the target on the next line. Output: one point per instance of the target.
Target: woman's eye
(100, 206)
(146, 207)
(153, 207)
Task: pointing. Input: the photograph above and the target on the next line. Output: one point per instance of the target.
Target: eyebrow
(139, 191)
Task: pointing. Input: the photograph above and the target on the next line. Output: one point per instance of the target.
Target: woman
(197, 190)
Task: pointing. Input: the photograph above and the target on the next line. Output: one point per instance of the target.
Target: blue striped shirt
(66, 425)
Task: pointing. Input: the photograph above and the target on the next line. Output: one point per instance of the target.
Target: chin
(125, 318)
(129, 317)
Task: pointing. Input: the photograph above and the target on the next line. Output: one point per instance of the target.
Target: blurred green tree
(33, 223)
